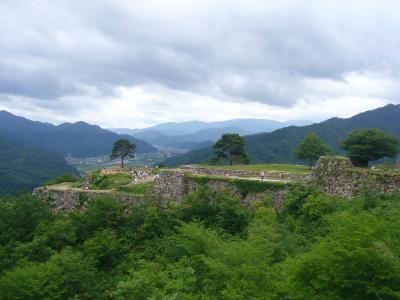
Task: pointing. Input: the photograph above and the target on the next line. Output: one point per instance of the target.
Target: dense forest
(209, 247)
(278, 146)
(23, 167)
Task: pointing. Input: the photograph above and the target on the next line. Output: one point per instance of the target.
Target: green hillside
(76, 139)
(23, 167)
(278, 146)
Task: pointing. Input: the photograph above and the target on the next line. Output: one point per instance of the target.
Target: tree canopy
(230, 147)
(370, 144)
(311, 148)
(123, 148)
(210, 246)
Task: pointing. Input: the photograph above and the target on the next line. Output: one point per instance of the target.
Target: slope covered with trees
(76, 139)
(209, 247)
(278, 146)
(25, 167)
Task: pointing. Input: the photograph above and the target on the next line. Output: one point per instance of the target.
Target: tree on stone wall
(124, 149)
(370, 144)
(230, 147)
(311, 148)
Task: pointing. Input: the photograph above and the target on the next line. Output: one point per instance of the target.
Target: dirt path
(67, 187)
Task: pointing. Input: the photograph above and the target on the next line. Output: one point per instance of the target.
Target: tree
(231, 147)
(123, 148)
(66, 275)
(370, 144)
(311, 148)
(340, 265)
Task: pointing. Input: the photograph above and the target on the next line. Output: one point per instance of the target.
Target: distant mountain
(182, 128)
(185, 141)
(189, 135)
(25, 167)
(278, 146)
(76, 139)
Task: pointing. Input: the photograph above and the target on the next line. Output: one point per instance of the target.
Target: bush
(112, 181)
(65, 178)
(220, 210)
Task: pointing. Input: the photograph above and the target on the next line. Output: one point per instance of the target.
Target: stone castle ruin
(338, 176)
(331, 175)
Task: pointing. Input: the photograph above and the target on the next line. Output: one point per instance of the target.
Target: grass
(73, 178)
(136, 189)
(112, 181)
(286, 168)
(376, 171)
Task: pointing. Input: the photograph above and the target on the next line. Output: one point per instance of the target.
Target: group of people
(139, 175)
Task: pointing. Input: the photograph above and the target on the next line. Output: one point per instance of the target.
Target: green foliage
(120, 183)
(111, 181)
(102, 214)
(24, 168)
(359, 259)
(244, 186)
(123, 148)
(220, 210)
(19, 217)
(104, 249)
(370, 144)
(208, 247)
(66, 275)
(312, 148)
(137, 189)
(69, 177)
(230, 147)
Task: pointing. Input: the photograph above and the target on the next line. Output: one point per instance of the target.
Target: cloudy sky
(134, 63)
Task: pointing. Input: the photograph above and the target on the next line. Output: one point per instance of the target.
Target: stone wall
(337, 176)
(332, 175)
(79, 200)
(175, 185)
(269, 175)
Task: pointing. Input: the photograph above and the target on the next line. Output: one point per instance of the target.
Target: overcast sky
(128, 63)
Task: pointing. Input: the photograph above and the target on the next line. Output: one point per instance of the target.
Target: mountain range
(278, 146)
(32, 152)
(191, 135)
(68, 139)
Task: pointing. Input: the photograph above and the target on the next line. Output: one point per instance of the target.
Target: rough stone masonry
(337, 176)
(331, 175)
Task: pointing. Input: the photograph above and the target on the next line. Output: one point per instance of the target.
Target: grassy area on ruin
(286, 168)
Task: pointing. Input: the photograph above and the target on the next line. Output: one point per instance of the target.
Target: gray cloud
(236, 51)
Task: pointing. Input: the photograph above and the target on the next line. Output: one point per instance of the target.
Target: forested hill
(278, 146)
(77, 139)
(23, 167)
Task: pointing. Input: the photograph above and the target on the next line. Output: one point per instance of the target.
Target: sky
(134, 63)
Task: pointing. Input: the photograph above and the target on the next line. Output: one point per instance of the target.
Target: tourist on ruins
(262, 175)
